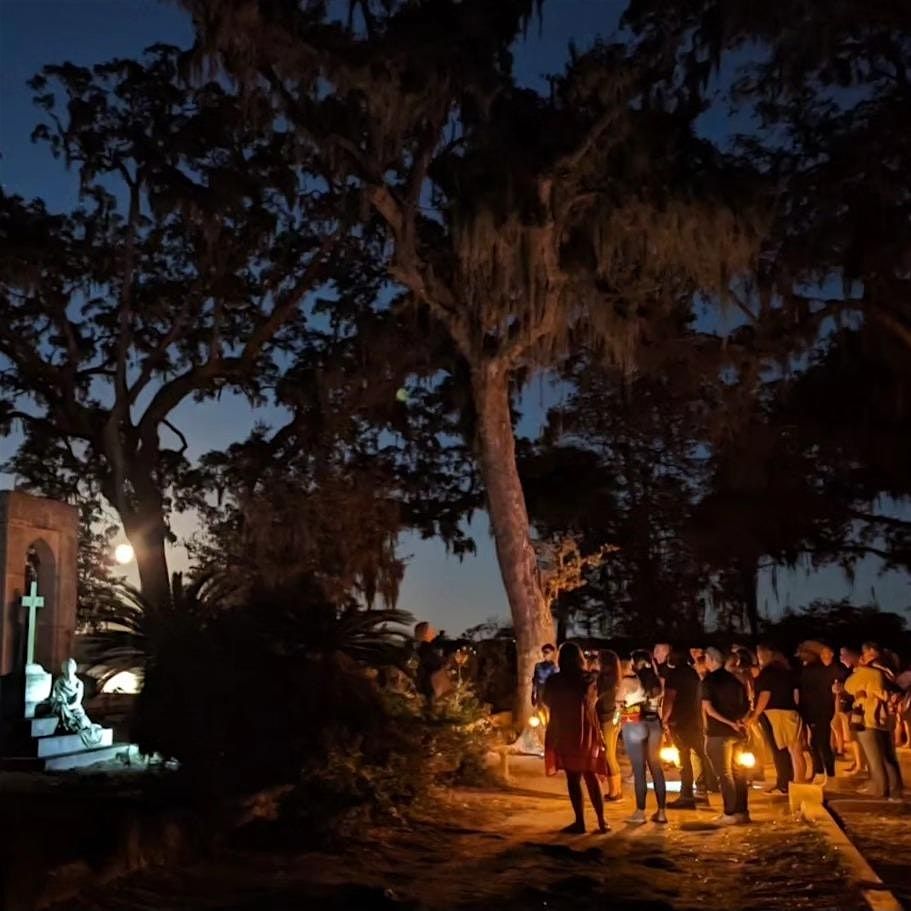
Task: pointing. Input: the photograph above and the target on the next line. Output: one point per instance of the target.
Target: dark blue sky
(452, 595)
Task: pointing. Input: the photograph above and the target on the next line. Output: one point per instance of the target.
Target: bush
(283, 689)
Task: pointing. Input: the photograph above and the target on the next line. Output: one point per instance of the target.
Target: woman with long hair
(609, 717)
(573, 740)
(639, 697)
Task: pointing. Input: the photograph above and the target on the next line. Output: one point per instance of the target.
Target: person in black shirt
(776, 712)
(725, 705)
(431, 662)
(817, 707)
(682, 719)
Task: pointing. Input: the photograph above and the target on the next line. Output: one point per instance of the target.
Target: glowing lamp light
(746, 759)
(534, 722)
(124, 553)
(669, 754)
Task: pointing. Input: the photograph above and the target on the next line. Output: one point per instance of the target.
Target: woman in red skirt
(573, 739)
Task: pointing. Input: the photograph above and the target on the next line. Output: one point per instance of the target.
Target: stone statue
(66, 702)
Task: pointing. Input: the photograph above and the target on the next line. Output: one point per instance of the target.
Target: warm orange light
(746, 759)
(669, 754)
(534, 721)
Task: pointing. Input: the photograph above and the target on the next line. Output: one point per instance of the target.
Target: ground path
(479, 849)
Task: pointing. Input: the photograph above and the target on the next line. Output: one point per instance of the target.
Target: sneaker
(726, 819)
(775, 791)
(743, 819)
(660, 817)
(637, 818)
(682, 803)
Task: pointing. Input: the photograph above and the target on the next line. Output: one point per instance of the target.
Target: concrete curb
(877, 896)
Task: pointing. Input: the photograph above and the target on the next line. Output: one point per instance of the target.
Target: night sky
(450, 594)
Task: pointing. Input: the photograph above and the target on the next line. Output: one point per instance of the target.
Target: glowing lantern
(669, 754)
(123, 554)
(746, 760)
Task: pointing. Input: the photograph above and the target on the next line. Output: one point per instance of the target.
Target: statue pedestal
(37, 687)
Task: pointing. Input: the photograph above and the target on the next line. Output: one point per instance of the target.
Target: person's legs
(781, 758)
(870, 744)
(720, 754)
(634, 735)
(705, 777)
(741, 790)
(821, 744)
(838, 733)
(798, 762)
(574, 786)
(653, 759)
(891, 764)
(683, 740)
(611, 733)
(594, 795)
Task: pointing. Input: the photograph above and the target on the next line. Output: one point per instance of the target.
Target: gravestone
(38, 550)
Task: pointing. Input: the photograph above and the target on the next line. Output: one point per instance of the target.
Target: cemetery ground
(499, 847)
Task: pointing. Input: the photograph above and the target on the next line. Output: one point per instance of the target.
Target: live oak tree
(370, 448)
(828, 85)
(524, 222)
(184, 271)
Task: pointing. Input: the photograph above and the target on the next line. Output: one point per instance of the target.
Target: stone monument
(38, 550)
(38, 544)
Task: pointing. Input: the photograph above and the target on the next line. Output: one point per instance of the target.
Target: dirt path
(497, 849)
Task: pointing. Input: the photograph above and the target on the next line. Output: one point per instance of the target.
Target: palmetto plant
(128, 627)
(298, 619)
(291, 619)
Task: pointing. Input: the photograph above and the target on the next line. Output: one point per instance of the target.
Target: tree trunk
(146, 532)
(531, 617)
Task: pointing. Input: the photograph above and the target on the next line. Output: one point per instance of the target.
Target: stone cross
(32, 601)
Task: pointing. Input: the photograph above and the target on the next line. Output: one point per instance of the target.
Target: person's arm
(668, 706)
(710, 712)
(762, 700)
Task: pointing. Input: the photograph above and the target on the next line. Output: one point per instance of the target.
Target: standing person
(681, 716)
(432, 678)
(827, 657)
(661, 654)
(852, 716)
(573, 741)
(817, 707)
(542, 672)
(639, 698)
(776, 711)
(869, 686)
(609, 718)
(725, 706)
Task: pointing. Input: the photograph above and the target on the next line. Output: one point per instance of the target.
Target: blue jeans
(642, 740)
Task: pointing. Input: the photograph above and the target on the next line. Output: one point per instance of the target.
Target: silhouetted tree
(523, 222)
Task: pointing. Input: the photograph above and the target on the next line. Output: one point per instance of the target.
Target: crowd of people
(723, 716)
